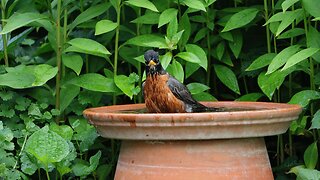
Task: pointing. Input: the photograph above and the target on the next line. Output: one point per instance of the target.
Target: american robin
(165, 94)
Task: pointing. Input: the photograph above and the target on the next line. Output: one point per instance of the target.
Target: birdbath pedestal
(210, 145)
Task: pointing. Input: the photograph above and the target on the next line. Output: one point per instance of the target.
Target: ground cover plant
(60, 57)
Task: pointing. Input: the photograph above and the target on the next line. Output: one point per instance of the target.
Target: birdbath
(209, 145)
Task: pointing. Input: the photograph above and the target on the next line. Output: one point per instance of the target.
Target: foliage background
(60, 57)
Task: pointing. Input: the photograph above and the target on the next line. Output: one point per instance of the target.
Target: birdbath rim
(247, 119)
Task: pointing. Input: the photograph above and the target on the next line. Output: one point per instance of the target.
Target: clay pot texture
(240, 120)
(210, 145)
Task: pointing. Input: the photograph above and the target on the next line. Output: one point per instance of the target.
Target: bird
(165, 94)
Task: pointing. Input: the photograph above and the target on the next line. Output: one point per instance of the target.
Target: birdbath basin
(209, 145)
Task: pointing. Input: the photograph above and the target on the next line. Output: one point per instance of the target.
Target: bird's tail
(202, 108)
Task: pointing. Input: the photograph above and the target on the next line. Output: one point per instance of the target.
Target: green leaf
(47, 146)
(303, 173)
(288, 19)
(176, 70)
(64, 131)
(220, 50)
(64, 166)
(315, 121)
(311, 156)
(172, 29)
(104, 170)
(204, 96)
(88, 14)
(34, 111)
(200, 34)
(282, 58)
(148, 18)
(240, 19)
(184, 24)
(287, 4)
(43, 73)
(313, 40)
(261, 61)
(166, 16)
(144, 4)
(291, 33)
(83, 133)
(304, 97)
(82, 169)
(300, 56)
(125, 84)
(298, 127)
(250, 97)
(189, 56)
(312, 6)
(166, 59)
(236, 44)
(17, 80)
(176, 37)
(190, 68)
(227, 77)
(95, 82)
(104, 26)
(18, 20)
(147, 40)
(73, 61)
(68, 93)
(7, 95)
(88, 46)
(226, 35)
(196, 88)
(195, 4)
(269, 83)
(278, 17)
(198, 51)
(28, 166)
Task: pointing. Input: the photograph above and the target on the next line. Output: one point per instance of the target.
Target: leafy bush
(60, 57)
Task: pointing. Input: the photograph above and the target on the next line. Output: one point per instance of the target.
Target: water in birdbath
(222, 109)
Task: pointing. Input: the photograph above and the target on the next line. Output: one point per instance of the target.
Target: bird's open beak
(152, 66)
(151, 63)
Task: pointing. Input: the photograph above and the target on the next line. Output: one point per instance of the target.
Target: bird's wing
(180, 91)
(143, 88)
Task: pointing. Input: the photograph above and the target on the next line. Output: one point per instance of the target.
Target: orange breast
(159, 98)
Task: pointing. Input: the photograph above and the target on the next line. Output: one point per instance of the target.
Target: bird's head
(153, 65)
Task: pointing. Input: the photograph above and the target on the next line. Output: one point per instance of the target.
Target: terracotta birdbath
(209, 145)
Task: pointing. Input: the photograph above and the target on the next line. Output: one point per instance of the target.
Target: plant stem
(39, 174)
(290, 144)
(281, 149)
(306, 23)
(274, 37)
(209, 59)
(22, 148)
(65, 24)
(50, 8)
(179, 9)
(139, 64)
(266, 14)
(47, 173)
(4, 36)
(113, 151)
(58, 53)
(116, 45)
(81, 5)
